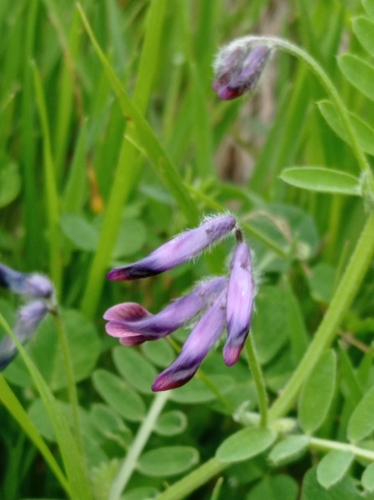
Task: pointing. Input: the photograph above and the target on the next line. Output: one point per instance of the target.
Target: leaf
(363, 28)
(368, 5)
(364, 133)
(318, 392)
(171, 423)
(110, 426)
(321, 282)
(197, 392)
(270, 325)
(312, 490)
(168, 461)
(333, 467)
(359, 73)
(10, 180)
(279, 487)
(160, 353)
(147, 492)
(361, 423)
(245, 444)
(131, 237)
(79, 231)
(289, 449)
(119, 396)
(136, 370)
(322, 180)
(368, 478)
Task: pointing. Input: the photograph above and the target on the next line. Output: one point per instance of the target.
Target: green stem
(339, 305)
(327, 445)
(329, 87)
(73, 397)
(258, 380)
(191, 482)
(137, 446)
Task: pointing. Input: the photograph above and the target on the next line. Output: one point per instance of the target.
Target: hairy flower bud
(29, 285)
(240, 296)
(177, 251)
(238, 68)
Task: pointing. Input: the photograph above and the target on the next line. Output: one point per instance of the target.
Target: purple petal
(240, 295)
(29, 285)
(28, 318)
(131, 321)
(244, 74)
(202, 338)
(177, 251)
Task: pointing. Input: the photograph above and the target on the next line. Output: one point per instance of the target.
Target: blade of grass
(73, 461)
(15, 408)
(52, 201)
(127, 171)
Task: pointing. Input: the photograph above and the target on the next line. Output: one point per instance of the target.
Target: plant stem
(72, 390)
(130, 462)
(258, 380)
(327, 445)
(339, 305)
(329, 87)
(191, 482)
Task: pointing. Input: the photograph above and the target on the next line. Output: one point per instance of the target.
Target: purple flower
(202, 338)
(134, 325)
(238, 69)
(240, 296)
(28, 318)
(28, 285)
(177, 251)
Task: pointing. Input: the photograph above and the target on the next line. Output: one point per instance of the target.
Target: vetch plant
(220, 301)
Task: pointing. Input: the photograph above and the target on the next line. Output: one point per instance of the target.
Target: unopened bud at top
(238, 68)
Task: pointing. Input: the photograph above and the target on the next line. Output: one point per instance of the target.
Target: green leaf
(136, 370)
(321, 282)
(160, 353)
(364, 28)
(119, 396)
(197, 392)
(368, 478)
(245, 444)
(125, 245)
(312, 490)
(171, 423)
(270, 325)
(361, 423)
(369, 7)
(318, 392)
(279, 487)
(333, 467)
(364, 133)
(110, 426)
(10, 180)
(140, 493)
(322, 180)
(359, 73)
(289, 449)
(168, 461)
(79, 231)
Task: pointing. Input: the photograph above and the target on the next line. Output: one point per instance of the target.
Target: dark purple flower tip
(202, 338)
(177, 251)
(133, 324)
(240, 296)
(239, 69)
(29, 285)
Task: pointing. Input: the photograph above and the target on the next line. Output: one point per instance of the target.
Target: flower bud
(177, 251)
(240, 296)
(29, 285)
(238, 69)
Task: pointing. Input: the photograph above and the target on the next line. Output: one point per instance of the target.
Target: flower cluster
(219, 302)
(238, 67)
(39, 292)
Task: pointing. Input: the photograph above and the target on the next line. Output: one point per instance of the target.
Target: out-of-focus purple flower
(202, 338)
(134, 325)
(28, 318)
(29, 285)
(238, 68)
(177, 251)
(240, 296)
